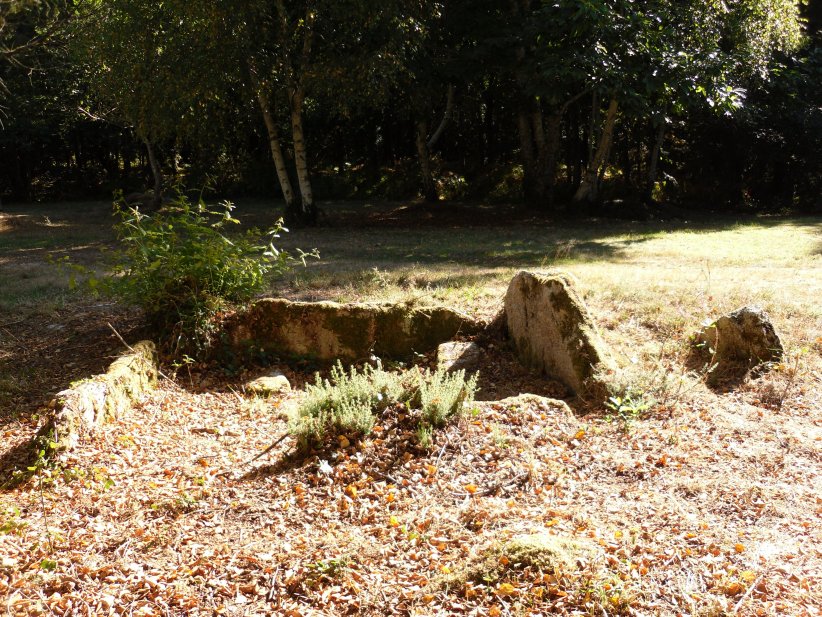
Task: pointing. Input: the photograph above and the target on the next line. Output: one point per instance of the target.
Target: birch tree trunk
(277, 153)
(308, 210)
(446, 118)
(589, 186)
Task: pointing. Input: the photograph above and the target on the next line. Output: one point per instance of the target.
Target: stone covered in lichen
(738, 342)
(90, 403)
(329, 331)
(553, 332)
(266, 385)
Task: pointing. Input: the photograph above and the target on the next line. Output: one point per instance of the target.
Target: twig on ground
(12, 323)
(122, 340)
(268, 449)
(442, 450)
(748, 592)
(237, 394)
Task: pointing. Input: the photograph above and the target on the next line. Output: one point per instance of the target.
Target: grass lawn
(707, 504)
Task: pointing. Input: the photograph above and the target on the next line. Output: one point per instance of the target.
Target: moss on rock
(540, 551)
(553, 332)
(328, 331)
(90, 403)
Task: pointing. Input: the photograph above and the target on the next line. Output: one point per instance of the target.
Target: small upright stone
(455, 356)
(553, 332)
(738, 342)
(273, 383)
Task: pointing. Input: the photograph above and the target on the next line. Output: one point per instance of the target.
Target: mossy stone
(328, 331)
(554, 333)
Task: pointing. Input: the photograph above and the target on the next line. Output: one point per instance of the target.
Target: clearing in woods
(706, 504)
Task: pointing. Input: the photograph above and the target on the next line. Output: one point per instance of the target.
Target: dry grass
(707, 505)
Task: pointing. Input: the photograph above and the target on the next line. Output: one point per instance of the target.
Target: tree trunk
(157, 173)
(589, 187)
(126, 155)
(489, 139)
(540, 186)
(307, 213)
(79, 158)
(429, 190)
(653, 162)
(276, 150)
(592, 127)
(530, 131)
(529, 166)
(446, 118)
(552, 142)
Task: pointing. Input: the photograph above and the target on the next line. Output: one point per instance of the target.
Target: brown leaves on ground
(712, 508)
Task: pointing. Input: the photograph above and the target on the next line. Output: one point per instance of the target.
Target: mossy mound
(90, 403)
(540, 552)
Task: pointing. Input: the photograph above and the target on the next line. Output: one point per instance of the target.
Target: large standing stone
(739, 341)
(553, 332)
(330, 331)
(457, 355)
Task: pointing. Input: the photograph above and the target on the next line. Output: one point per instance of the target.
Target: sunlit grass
(647, 284)
(651, 281)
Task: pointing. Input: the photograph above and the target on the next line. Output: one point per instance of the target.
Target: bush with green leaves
(443, 395)
(180, 266)
(350, 401)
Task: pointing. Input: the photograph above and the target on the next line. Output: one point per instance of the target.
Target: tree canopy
(564, 105)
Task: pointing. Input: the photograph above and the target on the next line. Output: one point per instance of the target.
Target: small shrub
(349, 401)
(345, 403)
(181, 268)
(628, 406)
(443, 395)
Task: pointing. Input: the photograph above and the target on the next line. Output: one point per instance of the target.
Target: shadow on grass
(42, 354)
(513, 245)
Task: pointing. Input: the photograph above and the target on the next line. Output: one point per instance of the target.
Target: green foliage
(733, 84)
(425, 436)
(444, 395)
(628, 406)
(182, 269)
(350, 400)
(11, 522)
(330, 568)
(345, 403)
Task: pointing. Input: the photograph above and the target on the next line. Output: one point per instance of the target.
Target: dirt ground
(709, 504)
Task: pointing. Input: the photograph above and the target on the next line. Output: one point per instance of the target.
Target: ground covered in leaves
(707, 504)
(708, 507)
